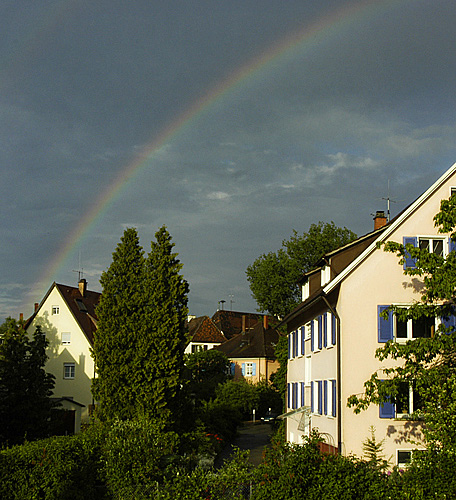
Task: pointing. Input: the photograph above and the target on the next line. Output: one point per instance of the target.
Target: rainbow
(310, 37)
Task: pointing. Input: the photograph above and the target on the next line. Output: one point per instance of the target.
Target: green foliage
(137, 453)
(140, 341)
(273, 277)
(25, 387)
(206, 370)
(59, 468)
(427, 364)
(373, 451)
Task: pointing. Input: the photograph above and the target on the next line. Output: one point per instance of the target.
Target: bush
(59, 468)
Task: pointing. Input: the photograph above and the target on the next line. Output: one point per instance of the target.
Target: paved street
(253, 437)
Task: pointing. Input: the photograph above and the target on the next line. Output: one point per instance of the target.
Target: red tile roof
(203, 329)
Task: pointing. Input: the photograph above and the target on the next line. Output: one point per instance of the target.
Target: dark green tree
(162, 349)
(206, 370)
(25, 387)
(274, 276)
(121, 315)
(428, 365)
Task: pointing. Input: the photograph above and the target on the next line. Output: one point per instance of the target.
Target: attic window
(81, 305)
(55, 310)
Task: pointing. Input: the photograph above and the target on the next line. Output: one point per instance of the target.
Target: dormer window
(325, 275)
(305, 291)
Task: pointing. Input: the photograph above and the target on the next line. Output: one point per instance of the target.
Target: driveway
(251, 436)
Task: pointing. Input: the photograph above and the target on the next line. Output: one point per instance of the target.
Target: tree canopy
(141, 336)
(426, 365)
(25, 387)
(274, 276)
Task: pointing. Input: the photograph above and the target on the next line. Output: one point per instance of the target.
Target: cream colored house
(334, 333)
(67, 316)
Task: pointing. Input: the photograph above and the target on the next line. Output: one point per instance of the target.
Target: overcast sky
(248, 134)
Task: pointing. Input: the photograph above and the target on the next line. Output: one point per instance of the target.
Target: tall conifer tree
(166, 318)
(120, 325)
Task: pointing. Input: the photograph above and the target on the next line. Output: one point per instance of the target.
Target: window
(305, 291)
(404, 458)
(249, 369)
(334, 398)
(432, 245)
(307, 370)
(407, 401)
(325, 275)
(66, 338)
(391, 327)
(68, 370)
(55, 310)
(320, 397)
(308, 331)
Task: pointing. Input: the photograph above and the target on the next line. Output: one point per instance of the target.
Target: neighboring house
(251, 352)
(67, 316)
(231, 323)
(204, 334)
(334, 333)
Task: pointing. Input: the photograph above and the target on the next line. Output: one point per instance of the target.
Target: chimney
(21, 317)
(265, 322)
(243, 323)
(36, 306)
(82, 286)
(379, 219)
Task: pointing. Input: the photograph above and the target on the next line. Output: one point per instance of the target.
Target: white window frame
(69, 371)
(403, 464)
(433, 238)
(55, 310)
(305, 291)
(308, 370)
(248, 369)
(409, 328)
(325, 275)
(66, 338)
(308, 331)
(411, 404)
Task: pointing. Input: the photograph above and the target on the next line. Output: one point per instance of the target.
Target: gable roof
(233, 322)
(203, 329)
(255, 343)
(82, 307)
(390, 228)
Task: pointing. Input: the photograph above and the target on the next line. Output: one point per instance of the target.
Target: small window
(415, 328)
(249, 369)
(432, 245)
(68, 370)
(452, 191)
(66, 338)
(404, 458)
(55, 310)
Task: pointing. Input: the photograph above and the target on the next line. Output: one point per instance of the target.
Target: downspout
(338, 383)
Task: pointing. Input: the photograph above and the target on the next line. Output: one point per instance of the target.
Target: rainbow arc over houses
(297, 43)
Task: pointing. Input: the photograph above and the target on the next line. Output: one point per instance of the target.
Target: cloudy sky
(231, 122)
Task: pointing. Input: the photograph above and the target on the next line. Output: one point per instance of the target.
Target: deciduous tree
(274, 276)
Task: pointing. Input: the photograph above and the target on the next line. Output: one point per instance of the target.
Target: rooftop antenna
(388, 201)
(231, 301)
(80, 270)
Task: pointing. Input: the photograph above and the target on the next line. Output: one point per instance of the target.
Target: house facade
(67, 317)
(252, 352)
(334, 333)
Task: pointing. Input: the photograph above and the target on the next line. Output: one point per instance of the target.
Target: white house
(67, 316)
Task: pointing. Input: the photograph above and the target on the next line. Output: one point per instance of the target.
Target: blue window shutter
(325, 397)
(387, 410)
(243, 368)
(333, 329)
(303, 340)
(320, 332)
(312, 397)
(295, 343)
(409, 262)
(295, 396)
(325, 330)
(385, 326)
(253, 369)
(303, 393)
(288, 395)
(449, 322)
(320, 397)
(312, 337)
(232, 368)
(289, 346)
(451, 245)
(334, 400)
